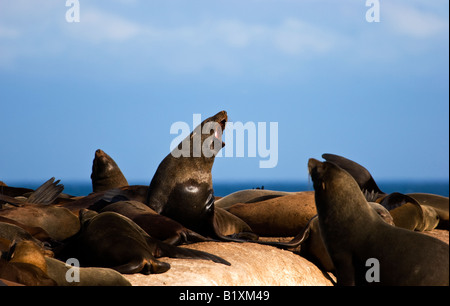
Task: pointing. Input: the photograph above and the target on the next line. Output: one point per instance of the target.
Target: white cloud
(410, 21)
(294, 36)
(291, 36)
(8, 32)
(98, 26)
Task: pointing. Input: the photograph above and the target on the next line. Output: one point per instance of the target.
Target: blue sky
(376, 93)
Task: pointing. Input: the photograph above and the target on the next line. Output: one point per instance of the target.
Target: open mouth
(220, 127)
(218, 131)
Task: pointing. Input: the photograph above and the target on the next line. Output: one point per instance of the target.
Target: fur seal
(36, 232)
(439, 203)
(354, 233)
(47, 193)
(105, 173)
(361, 175)
(26, 265)
(111, 240)
(421, 218)
(283, 216)
(87, 276)
(313, 247)
(58, 222)
(16, 233)
(157, 226)
(248, 195)
(228, 224)
(408, 213)
(181, 188)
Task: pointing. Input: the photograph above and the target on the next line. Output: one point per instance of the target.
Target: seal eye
(192, 189)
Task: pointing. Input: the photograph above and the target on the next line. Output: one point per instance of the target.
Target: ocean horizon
(221, 189)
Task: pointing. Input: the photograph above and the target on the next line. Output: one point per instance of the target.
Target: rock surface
(251, 265)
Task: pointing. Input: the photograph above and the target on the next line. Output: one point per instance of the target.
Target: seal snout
(314, 167)
(99, 154)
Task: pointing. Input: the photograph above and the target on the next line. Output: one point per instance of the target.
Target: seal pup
(25, 264)
(439, 203)
(354, 233)
(408, 213)
(105, 173)
(181, 188)
(111, 240)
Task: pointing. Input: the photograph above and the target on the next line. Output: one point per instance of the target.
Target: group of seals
(126, 228)
(105, 230)
(415, 211)
(114, 241)
(354, 234)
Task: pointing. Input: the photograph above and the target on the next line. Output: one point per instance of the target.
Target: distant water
(223, 188)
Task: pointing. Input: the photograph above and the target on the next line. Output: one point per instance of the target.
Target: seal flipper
(167, 250)
(361, 175)
(47, 193)
(143, 266)
(296, 242)
(397, 199)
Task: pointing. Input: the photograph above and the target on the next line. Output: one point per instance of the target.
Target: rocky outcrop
(251, 265)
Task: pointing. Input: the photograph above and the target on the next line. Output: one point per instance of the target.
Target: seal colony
(51, 238)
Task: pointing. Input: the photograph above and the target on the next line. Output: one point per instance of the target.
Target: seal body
(354, 235)
(281, 216)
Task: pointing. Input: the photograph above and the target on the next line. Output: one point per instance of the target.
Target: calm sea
(223, 188)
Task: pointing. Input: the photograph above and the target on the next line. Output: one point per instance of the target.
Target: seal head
(105, 173)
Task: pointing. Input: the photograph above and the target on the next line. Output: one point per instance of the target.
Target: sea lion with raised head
(356, 237)
(105, 173)
(181, 188)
